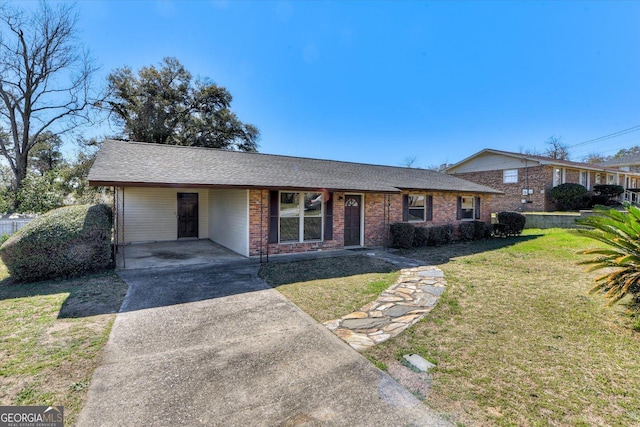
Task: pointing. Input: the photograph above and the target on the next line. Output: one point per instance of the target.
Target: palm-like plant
(620, 231)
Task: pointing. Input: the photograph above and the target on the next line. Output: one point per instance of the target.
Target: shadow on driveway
(217, 346)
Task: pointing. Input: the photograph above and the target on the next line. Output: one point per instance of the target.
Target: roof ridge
(261, 154)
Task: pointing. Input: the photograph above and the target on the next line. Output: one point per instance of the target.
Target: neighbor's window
(297, 227)
(467, 207)
(584, 177)
(510, 176)
(558, 176)
(417, 208)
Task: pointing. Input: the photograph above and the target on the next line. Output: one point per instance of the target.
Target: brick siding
(376, 220)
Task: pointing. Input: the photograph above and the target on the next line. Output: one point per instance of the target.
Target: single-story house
(257, 203)
(526, 180)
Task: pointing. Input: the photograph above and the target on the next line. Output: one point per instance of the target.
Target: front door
(187, 215)
(352, 220)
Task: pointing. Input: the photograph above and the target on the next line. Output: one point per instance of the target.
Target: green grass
(52, 335)
(516, 338)
(330, 288)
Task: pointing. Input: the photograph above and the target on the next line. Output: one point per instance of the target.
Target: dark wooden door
(187, 215)
(352, 220)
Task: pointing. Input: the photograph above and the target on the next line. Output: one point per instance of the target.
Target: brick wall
(537, 178)
(375, 220)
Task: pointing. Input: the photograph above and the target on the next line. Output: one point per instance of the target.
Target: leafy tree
(44, 80)
(165, 106)
(632, 151)
(45, 155)
(557, 149)
(73, 176)
(620, 231)
(40, 193)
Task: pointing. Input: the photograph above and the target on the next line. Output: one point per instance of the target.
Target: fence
(10, 226)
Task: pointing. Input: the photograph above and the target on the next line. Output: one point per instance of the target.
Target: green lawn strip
(516, 338)
(330, 288)
(52, 334)
(518, 342)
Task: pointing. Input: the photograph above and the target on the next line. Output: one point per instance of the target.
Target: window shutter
(328, 217)
(273, 216)
(429, 208)
(459, 213)
(405, 207)
(477, 207)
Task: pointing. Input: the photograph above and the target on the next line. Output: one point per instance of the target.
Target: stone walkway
(403, 304)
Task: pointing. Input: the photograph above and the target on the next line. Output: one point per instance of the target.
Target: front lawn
(516, 338)
(52, 334)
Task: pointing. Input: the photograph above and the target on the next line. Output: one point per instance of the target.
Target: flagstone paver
(415, 293)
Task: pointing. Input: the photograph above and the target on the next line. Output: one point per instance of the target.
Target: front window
(510, 176)
(300, 217)
(598, 179)
(417, 205)
(610, 179)
(467, 207)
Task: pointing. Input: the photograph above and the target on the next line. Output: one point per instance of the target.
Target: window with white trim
(300, 217)
(467, 207)
(598, 179)
(610, 180)
(584, 177)
(417, 208)
(510, 176)
(558, 176)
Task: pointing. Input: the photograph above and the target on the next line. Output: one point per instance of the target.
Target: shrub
(604, 194)
(421, 236)
(482, 230)
(437, 236)
(402, 235)
(65, 242)
(449, 232)
(568, 196)
(621, 259)
(466, 230)
(512, 223)
(473, 230)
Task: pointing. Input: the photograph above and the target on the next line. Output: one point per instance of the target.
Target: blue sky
(381, 81)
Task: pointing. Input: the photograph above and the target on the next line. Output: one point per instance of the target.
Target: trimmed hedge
(473, 230)
(421, 236)
(510, 223)
(64, 242)
(569, 196)
(402, 235)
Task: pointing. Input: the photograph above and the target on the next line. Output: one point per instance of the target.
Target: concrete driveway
(216, 346)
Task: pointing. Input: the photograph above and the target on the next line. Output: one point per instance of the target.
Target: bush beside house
(64, 242)
(509, 223)
(569, 196)
(405, 235)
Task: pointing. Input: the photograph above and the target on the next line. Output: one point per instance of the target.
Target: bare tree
(594, 158)
(44, 79)
(408, 162)
(557, 149)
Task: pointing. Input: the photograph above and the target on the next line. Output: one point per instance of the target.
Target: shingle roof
(542, 160)
(630, 160)
(121, 163)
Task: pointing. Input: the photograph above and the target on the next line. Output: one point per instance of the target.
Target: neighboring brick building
(526, 180)
(256, 203)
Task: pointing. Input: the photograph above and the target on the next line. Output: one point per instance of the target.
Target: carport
(174, 254)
